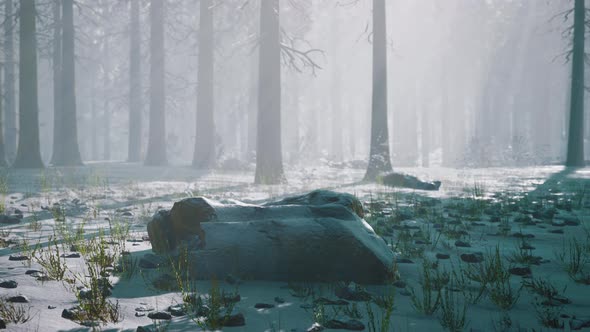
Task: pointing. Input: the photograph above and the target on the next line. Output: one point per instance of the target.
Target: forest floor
(530, 225)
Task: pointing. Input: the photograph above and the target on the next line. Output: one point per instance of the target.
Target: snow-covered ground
(98, 194)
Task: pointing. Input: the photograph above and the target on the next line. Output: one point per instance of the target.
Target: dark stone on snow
(400, 284)
(71, 255)
(279, 300)
(521, 235)
(316, 241)
(2, 324)
(442, 256)
(404, 261)
(408, 181)
(351, 293)
(556, 231)
(18, 258)
(325, 301)
(462, 244)
(18, 299)
(521, 271)
(8, 220)
(264, 306)
(160, 315)
(351, 325)
(472, 258)
(235, 320)
(71, 313)
(8, 284)
(177, 310)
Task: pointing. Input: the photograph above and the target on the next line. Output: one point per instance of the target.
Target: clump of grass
(548, 315)
(381, 323)
(453, 312)
(14, 313)
(503, 295)
(352, 311)
(432, 283)
(547, 291)
(50, 258)
(489, 272)
(575, 257)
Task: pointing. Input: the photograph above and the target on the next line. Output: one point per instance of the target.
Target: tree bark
(57, 82)
(575, 143)
(156, 150)
(269, 160)
(135, 103)
(2, 152)
(10, 124)
(28, 154)
(379, 157)
(70, 151)
(204, 153)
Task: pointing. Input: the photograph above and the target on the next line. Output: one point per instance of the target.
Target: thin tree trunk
(575, 144)
(2, 155)
(204, 153)
(269, 160)
(135, 103)
(28, 154)
(252, 108)
(57, 82)
(10, 123)
(94, 116)
(70, 151)
(379, 157)
(156, 150)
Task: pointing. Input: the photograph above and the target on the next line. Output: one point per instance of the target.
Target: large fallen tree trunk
(320, 236)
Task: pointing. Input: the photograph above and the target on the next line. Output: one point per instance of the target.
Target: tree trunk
(28, 154)
(135, 104)
(252, 109)
(269, 161)
(11, 131)
(57, 82)
(575, 143)
(70, 152)
(93, 115)
(156, 150)
(2, 155)
(379, 158)
(204, 153)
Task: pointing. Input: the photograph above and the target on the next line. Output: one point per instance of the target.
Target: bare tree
(9, 81)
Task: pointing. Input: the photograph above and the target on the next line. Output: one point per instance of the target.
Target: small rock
(230, 279)
(2, 324)
(472, 258)
(520, 235)
(264, 306)
(71, 255)
(51, 307)
(351, 325)
(143, 329)
(177, 310)
(351, 293)
(462, 244)
(162, 315)
(127, 214)
(71, 313)
(18, 258)
(8, 284)
(8, 220)
(139, 314)
(442, 256)
(556, 231)
(578, 324)
(315, 328)
(521, 271)
(18, 299)
(279, 300)
(235, 320)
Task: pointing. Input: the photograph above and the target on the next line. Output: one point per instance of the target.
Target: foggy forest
(294, 165)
